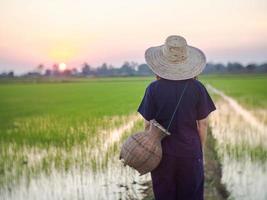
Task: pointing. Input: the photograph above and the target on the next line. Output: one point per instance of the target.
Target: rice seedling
(70, 131)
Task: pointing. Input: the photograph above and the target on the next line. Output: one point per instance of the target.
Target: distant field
(249, 90)
(64, 105)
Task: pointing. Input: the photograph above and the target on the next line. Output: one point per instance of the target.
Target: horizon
(74, 32)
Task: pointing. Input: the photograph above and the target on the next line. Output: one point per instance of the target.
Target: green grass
(45, 112)
(249, 90)
(57, 117)
(54, 120)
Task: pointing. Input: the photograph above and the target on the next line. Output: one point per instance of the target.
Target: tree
(10, 74)
(251, 68)
(48, 72)
(103, 70)
(74, 71)
(86, 69)
(7, 74)
(127, 69)
(134, 65)
(55, 69)
(40, 68)
(144, 70)
(235, 67)
(3, 74)
(262, 68)
(67, 72)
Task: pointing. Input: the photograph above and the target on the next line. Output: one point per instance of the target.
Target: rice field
(62, 139)
(240, 128)
(52, 128)
(56, 108)
(249, 90)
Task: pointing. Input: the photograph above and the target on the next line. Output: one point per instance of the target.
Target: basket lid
(158, 125)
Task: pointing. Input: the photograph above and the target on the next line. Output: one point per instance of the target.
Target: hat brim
(189, 68)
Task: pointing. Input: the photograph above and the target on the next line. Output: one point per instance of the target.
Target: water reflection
(242, 148)
(89, 170)
(115, 182)
(246, 179)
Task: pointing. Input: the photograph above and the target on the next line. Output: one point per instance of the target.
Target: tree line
(234, 67)
(134, 69)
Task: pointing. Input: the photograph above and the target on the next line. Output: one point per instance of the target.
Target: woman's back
(180, 174)
(159, 103)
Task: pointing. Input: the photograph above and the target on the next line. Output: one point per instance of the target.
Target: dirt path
(241, 142)
(247, 115)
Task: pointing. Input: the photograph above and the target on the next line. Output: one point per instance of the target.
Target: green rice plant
(41, 114)
(63, 124)
(249, 90)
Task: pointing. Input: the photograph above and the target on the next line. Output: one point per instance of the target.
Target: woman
(180, 174)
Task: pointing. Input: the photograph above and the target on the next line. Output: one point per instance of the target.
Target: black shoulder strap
(177, 105)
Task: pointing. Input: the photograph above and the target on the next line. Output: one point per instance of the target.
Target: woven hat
(175, 60)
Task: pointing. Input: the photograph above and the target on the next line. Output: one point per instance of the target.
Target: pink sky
(114, 31)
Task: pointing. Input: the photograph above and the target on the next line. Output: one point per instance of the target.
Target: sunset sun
(62, 66)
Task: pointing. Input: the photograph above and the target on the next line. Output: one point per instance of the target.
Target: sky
(114, 31)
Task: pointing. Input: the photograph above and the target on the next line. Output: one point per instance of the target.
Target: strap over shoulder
(177, 106)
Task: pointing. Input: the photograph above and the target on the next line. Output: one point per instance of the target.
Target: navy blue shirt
(159, 103)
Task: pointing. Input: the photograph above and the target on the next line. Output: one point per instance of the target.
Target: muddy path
(246, 114)
(241, 139)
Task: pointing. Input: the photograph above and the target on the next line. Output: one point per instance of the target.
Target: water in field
(242, 147)
(86, 171)
(69, 159)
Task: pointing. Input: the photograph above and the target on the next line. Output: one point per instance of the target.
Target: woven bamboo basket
(142, 151)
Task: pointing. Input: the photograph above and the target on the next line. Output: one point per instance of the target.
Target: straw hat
(175, 60)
